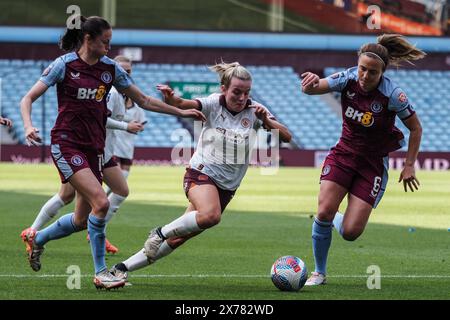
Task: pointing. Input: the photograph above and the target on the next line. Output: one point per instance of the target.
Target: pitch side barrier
(249, 40)
(434, 161)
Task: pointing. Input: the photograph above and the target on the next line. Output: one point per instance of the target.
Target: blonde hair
(122, 59)
(228, 71)
(392, 49)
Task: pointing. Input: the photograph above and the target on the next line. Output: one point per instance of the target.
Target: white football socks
(48, 211)
(125, 174)
(139, 260)
(114, 203)
(164, 250)
(337, 223)
(182, 226)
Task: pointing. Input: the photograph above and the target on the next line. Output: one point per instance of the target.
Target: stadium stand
(313, 121)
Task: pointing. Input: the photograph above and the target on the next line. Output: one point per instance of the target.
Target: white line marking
(219, 276)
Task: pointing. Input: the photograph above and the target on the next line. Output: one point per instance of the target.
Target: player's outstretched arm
(155, 105)
(312, 84)
(408, 174)
(31, 133)
(172, 99)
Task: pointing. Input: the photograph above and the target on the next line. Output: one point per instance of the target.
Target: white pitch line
(218, 276)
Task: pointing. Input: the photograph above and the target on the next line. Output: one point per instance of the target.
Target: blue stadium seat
(312, 121)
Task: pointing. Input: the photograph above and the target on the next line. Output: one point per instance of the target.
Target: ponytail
(400, 49)
(392, 49)
(72, 39)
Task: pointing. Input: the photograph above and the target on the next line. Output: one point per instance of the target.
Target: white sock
(48, 211)
(182, 226)
(125, 174)
(163, 250)
(337, 223)
(114, 203)
(137, 261)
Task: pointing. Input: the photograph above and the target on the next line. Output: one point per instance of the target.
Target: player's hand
(260, 112)
(135, 127)
(309, 80)
(31, 137)
(166, 91)
(408, 176)
(6, 122)
(193, 113)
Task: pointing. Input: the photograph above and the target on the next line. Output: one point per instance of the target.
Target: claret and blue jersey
(369, 117)
(82, 90)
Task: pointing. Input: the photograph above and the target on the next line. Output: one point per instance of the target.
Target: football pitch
(270, 216)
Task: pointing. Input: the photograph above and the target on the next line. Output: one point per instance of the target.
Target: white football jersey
(116, 104)
(226, 142)
(124, 144)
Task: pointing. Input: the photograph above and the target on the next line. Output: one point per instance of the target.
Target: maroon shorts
(70, 159)
(364, 177)
(111, 163)
(193, 178)
(125, 161)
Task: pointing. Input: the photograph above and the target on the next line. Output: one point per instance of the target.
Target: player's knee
(67, 197)
(101, 205)
(212, 218)
(124, 192)
(326, 214)
(351, 235)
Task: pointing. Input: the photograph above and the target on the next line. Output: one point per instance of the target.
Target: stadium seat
(312, 121)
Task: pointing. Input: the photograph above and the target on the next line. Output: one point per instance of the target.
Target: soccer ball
(289, 273)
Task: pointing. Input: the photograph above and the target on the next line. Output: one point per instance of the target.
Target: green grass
(268, 218)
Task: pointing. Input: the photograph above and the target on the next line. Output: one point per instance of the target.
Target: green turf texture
(269, 217)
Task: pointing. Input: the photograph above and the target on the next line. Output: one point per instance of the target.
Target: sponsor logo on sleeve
(402, 97)
(336, 75)
(47, 71)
